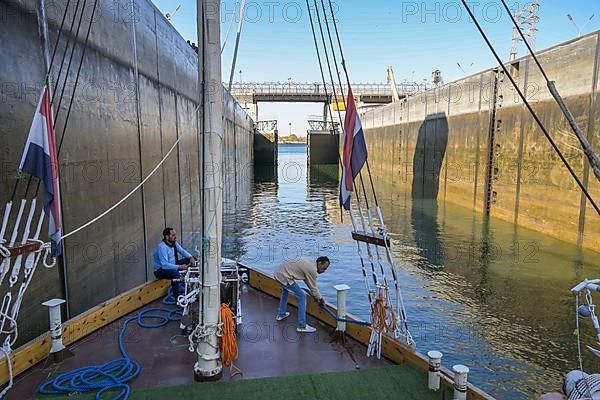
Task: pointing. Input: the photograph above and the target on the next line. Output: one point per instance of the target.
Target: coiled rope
(169, 299)
(229, 347)
(383, 316)
(113, 375)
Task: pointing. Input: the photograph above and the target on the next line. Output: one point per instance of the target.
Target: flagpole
(43, 28)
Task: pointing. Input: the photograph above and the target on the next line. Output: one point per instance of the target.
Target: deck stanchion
(58, 351)
(341, 307)
(460, 381)
(435, 362)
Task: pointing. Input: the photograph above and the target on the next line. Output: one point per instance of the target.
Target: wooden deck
(267, 348)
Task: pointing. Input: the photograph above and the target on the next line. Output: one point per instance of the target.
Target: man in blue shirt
(167, 261)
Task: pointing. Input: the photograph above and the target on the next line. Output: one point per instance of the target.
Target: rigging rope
(363, 268)
(83, 51)
(128, 195)
(62, 24)
(229, 29)
(592, 157)
(365, 215)
(70, 37)
(46, 79)
(68, 71)
(531, 110)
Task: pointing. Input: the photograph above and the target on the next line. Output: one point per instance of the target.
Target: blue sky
(415, 37)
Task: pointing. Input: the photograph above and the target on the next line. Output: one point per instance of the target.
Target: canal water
(484, 292)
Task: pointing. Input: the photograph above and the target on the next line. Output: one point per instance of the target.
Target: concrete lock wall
(265, 149)
(136, 95)
(323, 148)
(437, 144)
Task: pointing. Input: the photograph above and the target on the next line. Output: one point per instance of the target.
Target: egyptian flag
(39, 160)
(355, 150)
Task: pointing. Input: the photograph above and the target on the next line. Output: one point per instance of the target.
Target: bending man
(168, 264)
(287, 274)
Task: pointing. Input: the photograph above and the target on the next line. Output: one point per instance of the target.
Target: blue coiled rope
(169, 299)
(114, 375)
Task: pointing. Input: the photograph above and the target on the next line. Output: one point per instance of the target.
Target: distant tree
(293, 138)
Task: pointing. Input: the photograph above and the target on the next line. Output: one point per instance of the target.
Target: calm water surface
(486, 293)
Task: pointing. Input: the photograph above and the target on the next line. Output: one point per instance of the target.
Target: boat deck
(267, 348)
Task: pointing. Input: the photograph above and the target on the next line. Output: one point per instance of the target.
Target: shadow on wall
(427, 164)
(429, 155)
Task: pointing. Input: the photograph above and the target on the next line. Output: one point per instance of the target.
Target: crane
(392, 81)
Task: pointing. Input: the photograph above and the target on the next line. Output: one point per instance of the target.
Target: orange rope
(229, 347)
(382, 315)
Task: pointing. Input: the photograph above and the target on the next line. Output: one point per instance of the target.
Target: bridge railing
(317, 89)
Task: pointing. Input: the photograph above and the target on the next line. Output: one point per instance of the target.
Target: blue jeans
(177, 287)
(294, 289)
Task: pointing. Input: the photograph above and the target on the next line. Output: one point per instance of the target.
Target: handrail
(317, 89)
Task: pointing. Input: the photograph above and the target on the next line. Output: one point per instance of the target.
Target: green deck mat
(394, 382)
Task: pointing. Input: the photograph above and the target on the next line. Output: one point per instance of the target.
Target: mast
(209, 366)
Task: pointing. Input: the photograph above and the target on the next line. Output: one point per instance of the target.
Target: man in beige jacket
(287, 274)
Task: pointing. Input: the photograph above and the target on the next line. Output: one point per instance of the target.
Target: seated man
(167, 264)
(302, 269)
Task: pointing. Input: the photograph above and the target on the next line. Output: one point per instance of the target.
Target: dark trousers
(177, 287)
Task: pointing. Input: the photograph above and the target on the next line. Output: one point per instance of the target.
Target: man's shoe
(282, 317)
(306, 329)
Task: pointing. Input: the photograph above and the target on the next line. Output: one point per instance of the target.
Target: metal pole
(43, 28)
(341, 306)
(209, 366)
(237, 44)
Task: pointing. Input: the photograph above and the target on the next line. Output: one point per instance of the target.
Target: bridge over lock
(249, 94)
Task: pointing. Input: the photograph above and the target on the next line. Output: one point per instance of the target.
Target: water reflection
(484, 292)
(424, 214)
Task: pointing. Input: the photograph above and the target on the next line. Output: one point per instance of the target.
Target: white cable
(128, 195)
(7, 209)
(5, 265)
(14, 276)
(7, 350)
(31, 257)
(15, 232)
(48, 253)
(229, 29)
(369, 252)
(362, 264)
(4, 312)
(135, 189)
